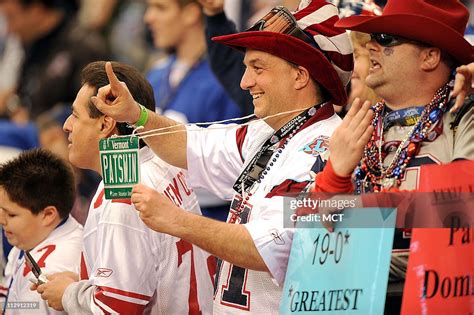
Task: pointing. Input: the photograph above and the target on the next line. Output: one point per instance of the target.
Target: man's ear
(49, 215)
(108, 125)
(430, 58)
(191, 14)
(302, 77)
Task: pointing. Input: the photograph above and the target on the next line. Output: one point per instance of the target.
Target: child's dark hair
(37, 179)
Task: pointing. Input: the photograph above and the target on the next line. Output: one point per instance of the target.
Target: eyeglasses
(280, 20)
(387, 40)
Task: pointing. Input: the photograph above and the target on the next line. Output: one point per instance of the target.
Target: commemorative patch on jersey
(317, 147)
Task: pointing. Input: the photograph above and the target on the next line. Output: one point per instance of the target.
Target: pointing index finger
(114, 81)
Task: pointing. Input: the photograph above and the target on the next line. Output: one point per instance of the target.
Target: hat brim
(292, 50)
(415, 27)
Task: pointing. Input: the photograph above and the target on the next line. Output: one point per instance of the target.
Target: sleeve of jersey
(329, 181)
(214, 158)
(77, 299)
(124, 275)
(271, 239)
(464, 138)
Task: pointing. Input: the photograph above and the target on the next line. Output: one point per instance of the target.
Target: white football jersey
(216, 158)
(60, 251)
(128, 263)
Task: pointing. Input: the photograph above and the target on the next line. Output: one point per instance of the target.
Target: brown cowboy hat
(440, 23)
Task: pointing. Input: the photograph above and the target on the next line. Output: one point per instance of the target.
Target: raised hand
(212, 7)
(347, 143)
(115, 100)
(463, 85)
(156, 210)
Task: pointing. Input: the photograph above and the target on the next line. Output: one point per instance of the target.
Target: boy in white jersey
(124, 263)
(36, 196)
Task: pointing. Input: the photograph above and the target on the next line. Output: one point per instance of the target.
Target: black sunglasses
(280, 20)
(387, 40)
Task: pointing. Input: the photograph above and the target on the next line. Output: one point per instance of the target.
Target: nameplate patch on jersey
(120, 166)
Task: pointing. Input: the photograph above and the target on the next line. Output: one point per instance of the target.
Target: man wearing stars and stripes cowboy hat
(414, 50)
(297, 65)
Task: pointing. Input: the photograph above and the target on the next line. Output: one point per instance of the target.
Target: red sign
(440, 273)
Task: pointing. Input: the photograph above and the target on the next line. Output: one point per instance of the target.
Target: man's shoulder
(66, 236)
(257, 127)
(111, 216)
(155, 172)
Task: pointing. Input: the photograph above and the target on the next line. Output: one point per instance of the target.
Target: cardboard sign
(344, 272)
(120, 166)
(440, 273)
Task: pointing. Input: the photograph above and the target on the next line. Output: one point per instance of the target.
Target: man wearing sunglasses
(414, 49)
(296, 68)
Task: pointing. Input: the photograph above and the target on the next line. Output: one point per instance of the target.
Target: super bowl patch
(317, 147)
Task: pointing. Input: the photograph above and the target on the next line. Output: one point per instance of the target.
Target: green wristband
(143, 116)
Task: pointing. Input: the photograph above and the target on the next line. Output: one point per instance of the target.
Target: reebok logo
(103, 272)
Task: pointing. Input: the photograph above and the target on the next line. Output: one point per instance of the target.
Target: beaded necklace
(371, 174)
(253, 174)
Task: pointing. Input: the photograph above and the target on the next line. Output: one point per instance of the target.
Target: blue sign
(343, 272)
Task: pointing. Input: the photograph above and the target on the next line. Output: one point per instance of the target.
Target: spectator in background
(11, 56)
(362, 63)
(56, 49)
(226, 62)
(469, 34)
(119, 21)
(185, 87)
(361, 70)
(97, 14)
(16, 138)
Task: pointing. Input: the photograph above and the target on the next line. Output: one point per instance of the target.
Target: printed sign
(344, 272)
(120, 166)
(440, 273)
